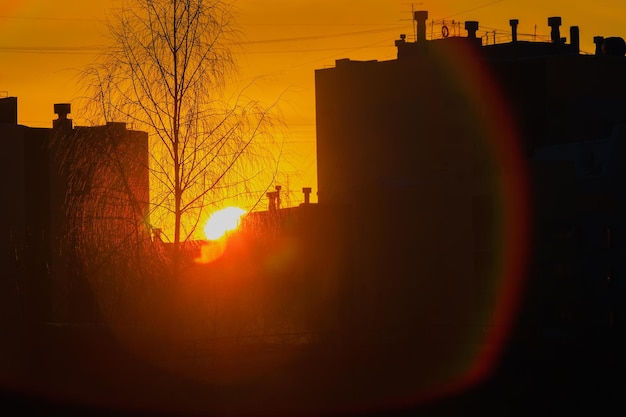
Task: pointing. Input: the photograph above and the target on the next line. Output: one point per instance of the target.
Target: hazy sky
(44, 43)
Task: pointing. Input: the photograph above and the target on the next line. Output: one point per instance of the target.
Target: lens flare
(223, 221)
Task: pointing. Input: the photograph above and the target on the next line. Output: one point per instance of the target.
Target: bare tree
(166, 73)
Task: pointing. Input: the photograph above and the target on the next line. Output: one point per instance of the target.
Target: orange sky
(44, 43)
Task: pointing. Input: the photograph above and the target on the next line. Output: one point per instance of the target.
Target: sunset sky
(43, 45)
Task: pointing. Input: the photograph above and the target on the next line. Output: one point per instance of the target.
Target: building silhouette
(470, 199)
(484, 184)
(470, 204)
(41, 282)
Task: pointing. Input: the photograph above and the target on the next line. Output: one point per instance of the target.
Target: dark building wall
(128, 162)
(98, 207)
(37, 213)
(404, 145)
(578, 284)
(26, 221)
(410, 146)
(585, 97)
(387, 124)
(563, 98)
(40, 282)
(13, 226)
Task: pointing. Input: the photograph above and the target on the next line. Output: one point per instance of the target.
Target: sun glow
(222, 222)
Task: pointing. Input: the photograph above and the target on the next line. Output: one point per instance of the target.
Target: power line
(295, 51)
(334, 35)
(482, 6)
(59, 19)
(95, 49)
(314, 24)
(69, 50)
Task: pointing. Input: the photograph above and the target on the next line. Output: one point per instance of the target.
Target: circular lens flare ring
(223, 221)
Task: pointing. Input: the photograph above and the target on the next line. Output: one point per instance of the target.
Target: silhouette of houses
(40, 281)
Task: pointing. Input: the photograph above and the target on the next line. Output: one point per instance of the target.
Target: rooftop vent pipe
(307, 194)
(598, 40)
(277, 188)
(62, 123)
(554, 23)
(420, 18)
(574, 38)
(471, 26)
(514, 23)
(62, 110)
(273, 196)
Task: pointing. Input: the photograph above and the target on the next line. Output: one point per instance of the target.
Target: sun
(222, 222)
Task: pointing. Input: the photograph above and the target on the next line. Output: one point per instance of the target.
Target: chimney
(272, 195)
(574, 37)
(278, 187)
(514, 23)
(420, 17)
(62, 122)
(307, 194)
(471, 27)
(554, 23)
(598, 40)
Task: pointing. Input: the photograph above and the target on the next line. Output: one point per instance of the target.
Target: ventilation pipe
(420, 18)
(471, 26)
(598, 40)
(62, 122)
(574, 37)
(514, 23)
(274, 199)
(554, 23)
(278, 187)
(307, 194)
(272, 196)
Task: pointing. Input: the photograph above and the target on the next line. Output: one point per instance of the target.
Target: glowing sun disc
(222, 222)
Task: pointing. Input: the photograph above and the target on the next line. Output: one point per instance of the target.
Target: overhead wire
(62, 19)
(93, 49)
(482, 6)
(69, 50)
(327, 36)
